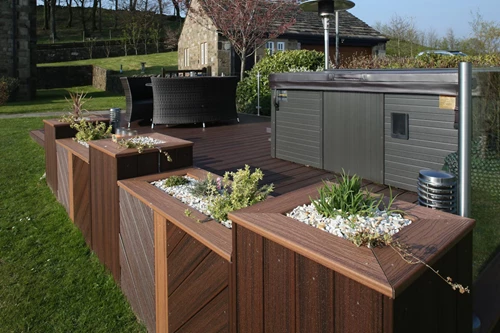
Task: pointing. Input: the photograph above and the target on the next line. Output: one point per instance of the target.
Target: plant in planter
(216, 198)
(344, 210)
(141, 143)
(76, 101)
(87, 131)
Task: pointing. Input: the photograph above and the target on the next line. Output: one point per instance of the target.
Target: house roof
(309, 25)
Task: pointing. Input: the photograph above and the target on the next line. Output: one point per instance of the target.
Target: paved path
(44, 114)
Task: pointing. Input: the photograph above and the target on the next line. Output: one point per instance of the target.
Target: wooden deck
(227, 147)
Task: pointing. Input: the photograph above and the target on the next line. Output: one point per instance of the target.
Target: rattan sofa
(194, 99)
(139, 98)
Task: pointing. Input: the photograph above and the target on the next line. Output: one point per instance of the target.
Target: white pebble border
(183, 193)
(145, 140)
(83, 143)
(381, 223)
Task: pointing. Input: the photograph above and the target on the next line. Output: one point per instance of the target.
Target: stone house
(201, 46)
(18, 44)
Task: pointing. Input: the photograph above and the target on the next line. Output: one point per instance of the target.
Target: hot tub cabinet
(175, 271)
(291, 277)
(384, 125)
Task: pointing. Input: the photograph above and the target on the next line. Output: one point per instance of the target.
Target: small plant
(345, 198)
(207, 187)
(76, 101)
(240, 189)
(141, 143)
(88, 131)
(175, 181)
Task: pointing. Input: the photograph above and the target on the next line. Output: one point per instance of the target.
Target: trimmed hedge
(280, 62)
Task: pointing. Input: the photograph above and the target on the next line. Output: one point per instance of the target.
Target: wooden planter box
(291, 277)
(175, 272)
(109, 163)
(54, 129)
(73, 179)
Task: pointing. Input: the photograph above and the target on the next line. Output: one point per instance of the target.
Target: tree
(451, 39)
(247, 24)
(487, 33)
(69, 4)
(53, 19)
(399, 28)
(46, 13)
(432, 39)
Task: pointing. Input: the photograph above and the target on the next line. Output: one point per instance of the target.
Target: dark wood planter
(175, 272)
(73, 178)
(109, 163)
(54, 129)
(291, 277)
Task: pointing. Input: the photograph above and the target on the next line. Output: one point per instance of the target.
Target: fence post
(464, 138)
(258, 93)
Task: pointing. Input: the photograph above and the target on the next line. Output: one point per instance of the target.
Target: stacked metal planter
(438, 190)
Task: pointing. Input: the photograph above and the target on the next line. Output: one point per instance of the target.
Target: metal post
(337, 39)
(464, 138)
(326, 25)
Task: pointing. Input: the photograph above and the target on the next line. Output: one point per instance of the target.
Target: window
(270, 47)
(204, 53)
(280, 46)
(186, 57)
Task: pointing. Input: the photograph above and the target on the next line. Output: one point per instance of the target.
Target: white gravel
(183, 193)
(381, 223)
(145, 140)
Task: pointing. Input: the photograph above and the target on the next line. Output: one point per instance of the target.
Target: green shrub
(207, 187)
(424, 61)
(88, 131)
(7, 86)
(175, 181)
(241, 189)
(280, 62)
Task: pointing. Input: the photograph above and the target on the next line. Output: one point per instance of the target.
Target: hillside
(112, 23)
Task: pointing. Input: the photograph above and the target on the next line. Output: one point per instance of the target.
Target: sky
(440, 15)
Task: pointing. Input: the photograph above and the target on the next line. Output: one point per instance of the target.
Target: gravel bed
(145, 140)
(83, 143)
(183, 193)
(381, 223)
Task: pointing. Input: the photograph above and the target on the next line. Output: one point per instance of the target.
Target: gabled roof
(309, 24)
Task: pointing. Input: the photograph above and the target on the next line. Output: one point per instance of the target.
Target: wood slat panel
(188, 254)
(105, 210)
(174, 236)
(80, 206)
(249, 280)
(357, 307)
(160, 232)
(136, 231)
(63, 174)
(212, 318)
(315, 297)
(197, 290)
(279, 288)
(127, 283)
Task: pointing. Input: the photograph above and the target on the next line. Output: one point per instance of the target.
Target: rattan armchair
(139, 98)
(194, 100)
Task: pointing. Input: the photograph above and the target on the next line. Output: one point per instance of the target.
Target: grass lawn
(49, 280)
(131, 64)
(52, 100)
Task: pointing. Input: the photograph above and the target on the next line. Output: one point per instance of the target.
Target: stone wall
(47, 53)
(64, 76)
(194, 34)
(106, 80)
(17, 44)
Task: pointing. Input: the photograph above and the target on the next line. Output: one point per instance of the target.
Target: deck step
(38, 136)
